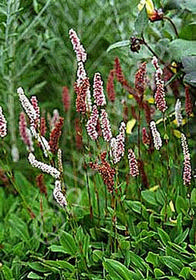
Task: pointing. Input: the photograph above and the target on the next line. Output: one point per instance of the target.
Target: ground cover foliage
(130, 210)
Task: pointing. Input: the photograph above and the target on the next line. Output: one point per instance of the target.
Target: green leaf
(185, 273)
(119, 44)
(189, 5)
(181, 237)
(181, 204)
(60, 264)
(188, 32)
(97, 255)
(164, 236)
(33, 275)
(142, 21)
(20, 228)
(136, 206)
(138, 262)
(57, 248)
(68, 243)
(38, 266)
(193, 198)
(7, 273)
(152, 258)
(174, 264)
(190, 79)
(117, 270)
(149, 197)
(158, 273)
(179, 48)
(189, 65)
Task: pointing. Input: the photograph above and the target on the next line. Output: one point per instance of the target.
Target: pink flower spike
(43, 166)
(133, 165)
(34, 102)
(156, 136)
(25, 133)
(92, 124)
(178, 114)
(118, 144)
(98, 93)
(27, 106)
(58, 195)
(81, 74)
(160, 91)
(77, 46)
(105, 126)
(3, 124)
(187, 161)
(55, 118)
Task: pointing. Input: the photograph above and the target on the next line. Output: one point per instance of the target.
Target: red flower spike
(140, 79)
(66, 98)
(81, 96)
(107, 173)
(188, 102)
(55, 135)
(110, 86)
(41, 185)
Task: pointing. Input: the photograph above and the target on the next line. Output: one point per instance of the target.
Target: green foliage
(142, 230)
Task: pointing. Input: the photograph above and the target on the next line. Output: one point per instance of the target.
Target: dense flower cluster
(156, 136)
(58, 195)
(42, 126)
(25, 133)
(105, 126)
(77, 46)
(82, 89)
(43, 166)
(3, 124)
(118, 144)
(34, 102)
(133, 165)
(140, 82)
(54, 119)
(187, 161)
(27, 106)
(106, 171)
(82, 96)
(118, 71)
(178, 114)
(188, 103)
(55, 135)
(98, 93)
(110, 86)
(91, 125)
(160, 91)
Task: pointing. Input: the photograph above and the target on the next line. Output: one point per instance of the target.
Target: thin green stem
(168, 168)
(173, 25)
